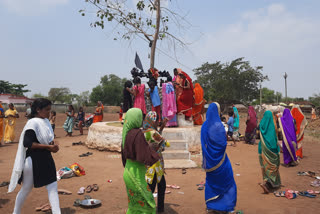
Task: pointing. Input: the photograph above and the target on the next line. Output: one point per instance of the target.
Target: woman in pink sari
(138, 93)
(169, 105)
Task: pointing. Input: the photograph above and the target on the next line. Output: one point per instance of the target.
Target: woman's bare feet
(265, 188)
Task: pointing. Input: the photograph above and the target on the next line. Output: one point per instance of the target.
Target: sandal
(46, 208)
(305, 193)
(173, 186)
(89, 188)
(95, 187)
(167, 192)
(5, 183)
(184, 171)
(201, 187)
(77, 203)
(283, 193)
(277, 194)
(81, 191)
(41, 207)
(86, 197)
(64, 192)
(83, 155)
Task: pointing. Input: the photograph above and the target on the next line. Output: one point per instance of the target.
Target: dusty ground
(102, 166)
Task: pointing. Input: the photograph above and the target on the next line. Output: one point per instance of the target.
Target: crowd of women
(142, 146)
(176, 96)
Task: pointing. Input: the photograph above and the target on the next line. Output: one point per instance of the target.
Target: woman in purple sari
(289, 143)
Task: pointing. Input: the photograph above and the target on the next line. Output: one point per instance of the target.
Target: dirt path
(102, 166)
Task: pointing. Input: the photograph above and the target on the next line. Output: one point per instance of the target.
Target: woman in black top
(80, 117)
(38, 168)
(127, 99)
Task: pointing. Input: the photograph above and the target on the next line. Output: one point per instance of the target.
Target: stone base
(179, 164)
(182, 122)
(106, 137)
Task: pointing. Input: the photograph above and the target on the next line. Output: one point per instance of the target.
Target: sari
(98, 117)
(198, 105)
(169, 105)
(135, 154)
(289, 143)
(269, 151)
(157, 143)
(1, 122)
(220, 188)
(313, 114)
(139, 100)
(301, 122)
(236, 123)
(68, 124)
(251, 129)
(185, 100)
(10, 123)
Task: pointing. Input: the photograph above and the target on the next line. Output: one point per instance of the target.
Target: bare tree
(147, 20)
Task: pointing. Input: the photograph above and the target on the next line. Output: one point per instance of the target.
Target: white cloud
(272, 37)
(31, 7)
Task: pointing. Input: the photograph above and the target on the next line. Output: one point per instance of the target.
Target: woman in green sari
(136, 156)
(269, 154)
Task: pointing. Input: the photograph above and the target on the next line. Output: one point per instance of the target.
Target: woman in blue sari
(220, 188)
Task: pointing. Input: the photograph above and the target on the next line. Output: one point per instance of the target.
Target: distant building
(15, 99)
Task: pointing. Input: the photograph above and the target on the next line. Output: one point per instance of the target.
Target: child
(224, 122)
(230, 127)
(155, 98)
(121, 114)
(52, 119)
(80, 117)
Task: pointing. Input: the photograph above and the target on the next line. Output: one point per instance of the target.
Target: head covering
(188, 78)
(301, 121)
(213, 138)
(215, 159)
(236, 118)
(133, 120)
(252, 123)
(198, 93)
(288, 125)
(150, 121)
(268, 132)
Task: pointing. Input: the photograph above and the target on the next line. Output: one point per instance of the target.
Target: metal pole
(285, 81)
(260, 93)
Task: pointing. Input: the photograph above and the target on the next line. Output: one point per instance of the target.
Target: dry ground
(102, 166)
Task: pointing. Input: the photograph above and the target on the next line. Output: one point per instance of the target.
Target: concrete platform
(179, 164)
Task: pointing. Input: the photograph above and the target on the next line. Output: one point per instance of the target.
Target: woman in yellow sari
(198, 105)
(11, 115)
(1, 122)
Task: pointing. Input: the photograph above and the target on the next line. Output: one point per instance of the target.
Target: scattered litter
(109, 181)
(182, 193)
(77, 169)
(64, 172)
(237, 174)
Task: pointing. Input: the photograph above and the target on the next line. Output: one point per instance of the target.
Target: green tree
(315, 99)
(152, 25)
(38, 95)
(84, 98)
(109, 91)
(10, 88)
(230, 82)
(270, 96)
(59, 95)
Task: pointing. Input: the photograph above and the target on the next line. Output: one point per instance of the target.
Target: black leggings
(161, 191)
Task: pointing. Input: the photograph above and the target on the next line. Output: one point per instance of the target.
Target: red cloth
(158, 111)
(252, 123)
(185, 100)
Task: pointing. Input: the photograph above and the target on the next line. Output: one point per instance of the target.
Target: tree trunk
(156, 34)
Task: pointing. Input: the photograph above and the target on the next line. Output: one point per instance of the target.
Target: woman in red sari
(301, 123)
(198, 105)
(185, 99)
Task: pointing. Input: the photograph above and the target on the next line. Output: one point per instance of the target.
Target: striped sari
(269, 151)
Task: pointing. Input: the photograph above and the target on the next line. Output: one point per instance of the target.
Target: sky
(48, 44)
